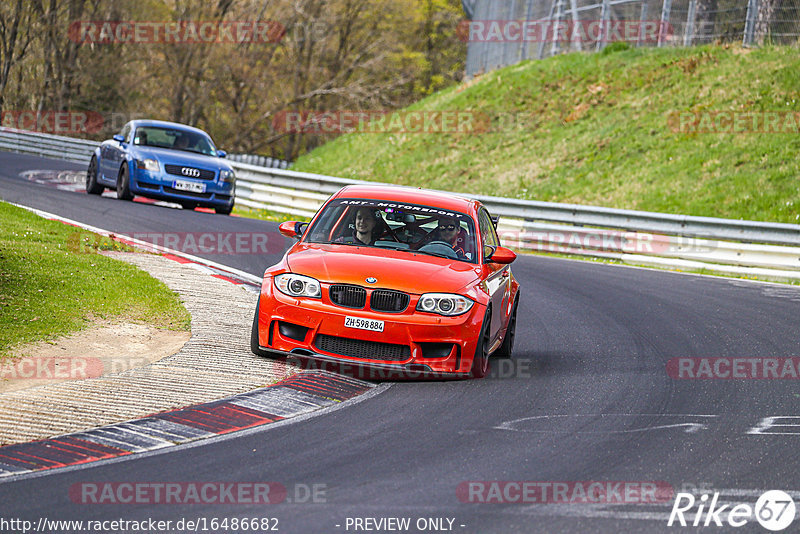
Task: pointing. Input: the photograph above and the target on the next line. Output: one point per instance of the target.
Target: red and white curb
(297, 395)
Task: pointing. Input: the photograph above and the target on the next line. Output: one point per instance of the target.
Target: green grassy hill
(599, 129)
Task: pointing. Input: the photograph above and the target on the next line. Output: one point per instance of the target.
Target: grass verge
(605, 129)
(52, 281)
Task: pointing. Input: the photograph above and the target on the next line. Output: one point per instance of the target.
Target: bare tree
(15, 37)
(767, 11)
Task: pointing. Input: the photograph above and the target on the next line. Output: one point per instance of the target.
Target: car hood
(184, 159)
(403, 271)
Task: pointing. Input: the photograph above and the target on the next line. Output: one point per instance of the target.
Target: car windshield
(415, 228)
(175, 139)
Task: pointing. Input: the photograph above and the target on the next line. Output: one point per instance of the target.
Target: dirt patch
(102, 349)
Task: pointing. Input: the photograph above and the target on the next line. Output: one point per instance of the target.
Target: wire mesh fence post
(557, 27)
(604, 17)
(750, 23)
(543, 40)
(642, 22)
(666, 8)
(689, 33)
(573, 7)
(528, 14)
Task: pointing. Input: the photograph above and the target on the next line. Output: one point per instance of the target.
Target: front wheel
(92, 187)
(254, 345)
(480, 363)
(507, 347)
(226, 210)
(123, 185)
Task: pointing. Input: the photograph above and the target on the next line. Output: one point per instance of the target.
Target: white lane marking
(690, 427)
(765, 424)
(643, 511)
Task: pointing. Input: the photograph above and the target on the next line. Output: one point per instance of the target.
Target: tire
(507, 347)
(92, 187)
(225, 210)
(480, 362)
(123, 184)
(254, 346)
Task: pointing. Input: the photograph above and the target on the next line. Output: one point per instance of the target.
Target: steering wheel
(440, 247)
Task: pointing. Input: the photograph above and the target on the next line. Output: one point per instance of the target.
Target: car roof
(413, 195)
(166, 124)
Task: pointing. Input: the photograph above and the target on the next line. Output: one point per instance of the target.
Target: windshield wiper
(429, 253)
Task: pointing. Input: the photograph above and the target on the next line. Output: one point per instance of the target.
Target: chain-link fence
(505, 32)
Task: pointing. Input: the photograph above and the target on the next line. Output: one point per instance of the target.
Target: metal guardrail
(261, 161)
(572, 214)
(525, 224)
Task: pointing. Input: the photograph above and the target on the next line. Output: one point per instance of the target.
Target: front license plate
(189, 186)
(363, 324)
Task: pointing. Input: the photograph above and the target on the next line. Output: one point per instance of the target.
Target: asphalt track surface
(587, 397)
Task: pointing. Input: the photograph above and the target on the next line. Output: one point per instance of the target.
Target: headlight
(147, 164)
(297, 285)
(227, 176)
(444, 304)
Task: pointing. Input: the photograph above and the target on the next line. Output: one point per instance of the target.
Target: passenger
(364, 224)
(181, 142)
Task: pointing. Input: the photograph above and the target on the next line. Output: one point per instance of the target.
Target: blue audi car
(164, 161)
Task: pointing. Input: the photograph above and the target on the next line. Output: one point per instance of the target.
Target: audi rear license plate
(180, 185)
(363, 324)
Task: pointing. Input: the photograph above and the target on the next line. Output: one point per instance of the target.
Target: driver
(449, 231)
(364, 224)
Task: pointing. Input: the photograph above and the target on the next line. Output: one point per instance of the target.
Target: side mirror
(222, 154)
(292, 229)
(501, 255)
(119, 139)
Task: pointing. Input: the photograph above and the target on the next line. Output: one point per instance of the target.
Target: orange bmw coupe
(395, 279)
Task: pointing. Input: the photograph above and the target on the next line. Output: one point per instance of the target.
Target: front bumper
(413, 343)
(159, 185)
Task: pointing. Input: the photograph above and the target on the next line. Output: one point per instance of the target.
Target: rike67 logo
(774, 510)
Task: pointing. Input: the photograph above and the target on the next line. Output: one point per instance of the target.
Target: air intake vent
(359, 348)
(388, 301)
(348, 296)
(192, 172)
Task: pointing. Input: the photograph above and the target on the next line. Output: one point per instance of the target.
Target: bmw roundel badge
(371, 280)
